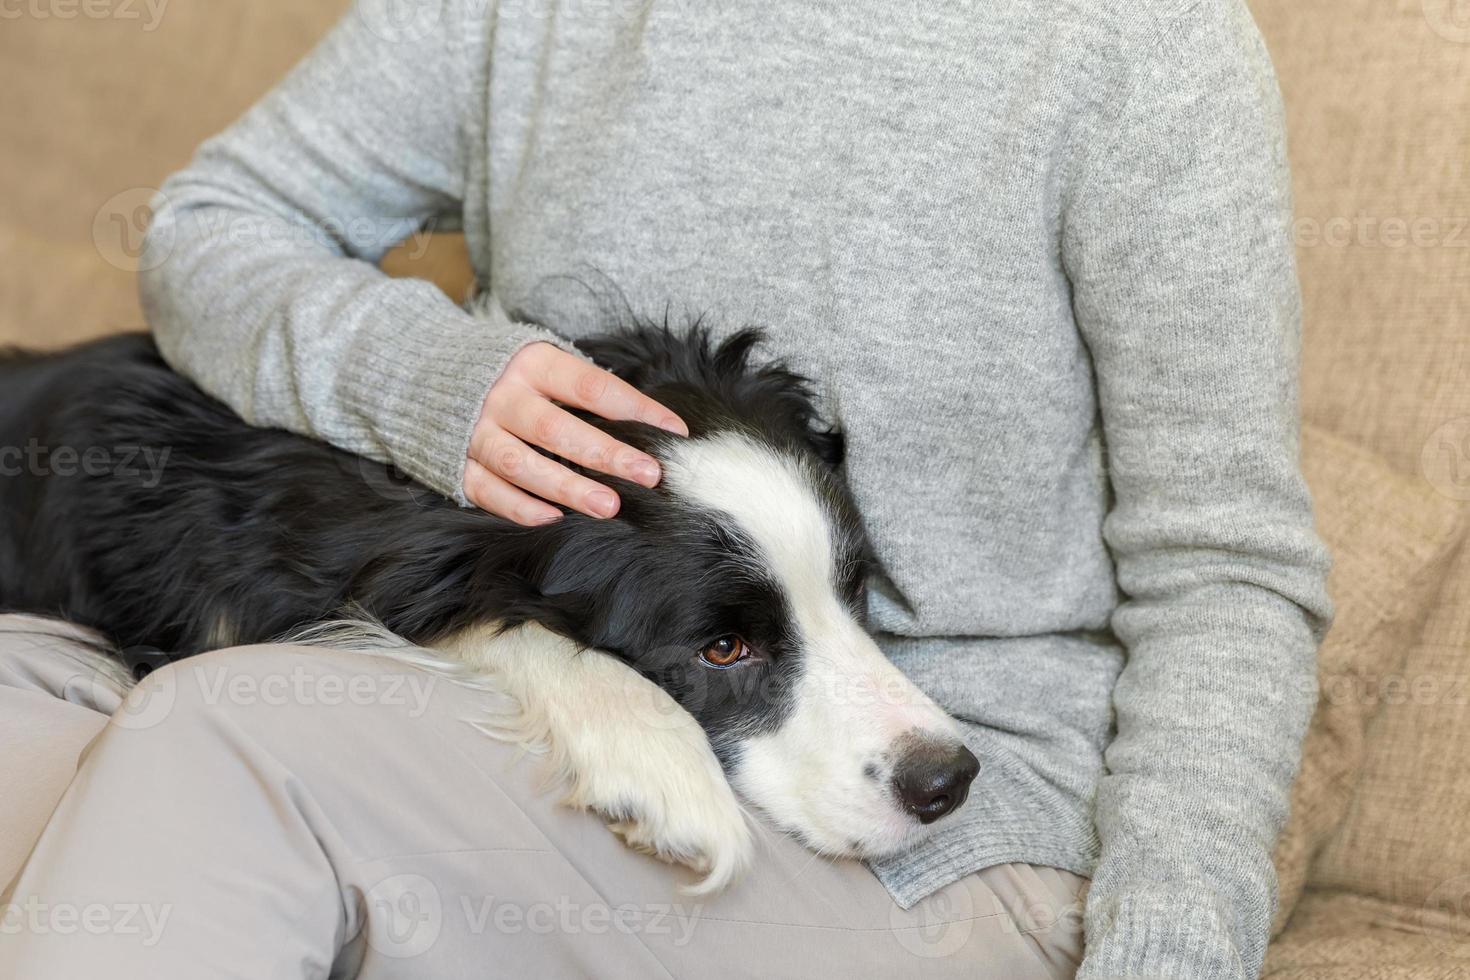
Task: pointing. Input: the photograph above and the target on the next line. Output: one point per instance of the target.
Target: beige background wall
(96, 111)
(1378, 111)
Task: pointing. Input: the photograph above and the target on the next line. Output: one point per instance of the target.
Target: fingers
(494, 495)
(574, 382)
(543, 424)
(505, 474)
(520, 466)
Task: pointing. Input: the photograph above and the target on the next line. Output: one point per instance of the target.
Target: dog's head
(738, 585)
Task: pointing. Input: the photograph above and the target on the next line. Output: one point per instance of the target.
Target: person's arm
(1177, 244)
(261, 281)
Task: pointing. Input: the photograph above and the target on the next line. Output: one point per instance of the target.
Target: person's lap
(279, 811)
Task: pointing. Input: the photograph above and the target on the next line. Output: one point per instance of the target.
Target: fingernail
(546, 517)
(673, 424)
(602, 502)
(645, 471)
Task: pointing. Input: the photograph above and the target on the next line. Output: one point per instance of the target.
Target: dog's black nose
(933, 780)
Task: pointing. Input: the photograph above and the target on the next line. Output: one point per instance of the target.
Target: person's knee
(275, 687)
(56, 658)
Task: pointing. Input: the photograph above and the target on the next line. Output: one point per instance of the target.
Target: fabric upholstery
(1377, 95)
(1340, 936)
(1391, 538)
(1406, 837)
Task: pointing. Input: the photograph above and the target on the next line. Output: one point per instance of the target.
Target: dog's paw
(645, 765)
(624, 748)
(665, 794)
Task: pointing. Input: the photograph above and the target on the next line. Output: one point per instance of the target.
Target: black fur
(245, 535)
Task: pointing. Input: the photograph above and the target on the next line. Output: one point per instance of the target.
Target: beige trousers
(280, 812)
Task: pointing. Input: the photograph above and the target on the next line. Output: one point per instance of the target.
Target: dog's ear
(578, 585)
(650, 354)
(790, 396)
(829, 445)
(775, 387)
(641, 357)
(654, 356)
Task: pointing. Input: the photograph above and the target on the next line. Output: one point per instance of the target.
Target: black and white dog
(729, 599)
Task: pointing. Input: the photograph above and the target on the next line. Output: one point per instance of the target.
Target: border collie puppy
(711, 635)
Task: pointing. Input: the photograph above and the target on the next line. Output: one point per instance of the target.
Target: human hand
(507, 477)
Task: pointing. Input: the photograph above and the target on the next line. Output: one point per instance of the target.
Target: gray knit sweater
(1037, 254)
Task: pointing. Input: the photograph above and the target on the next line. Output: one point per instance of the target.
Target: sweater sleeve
(260, 278)
(1177, 245)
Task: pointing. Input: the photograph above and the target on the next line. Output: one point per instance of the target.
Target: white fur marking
(770, 498)
(852, 704)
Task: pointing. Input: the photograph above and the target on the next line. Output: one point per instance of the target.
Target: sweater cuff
(419, 381)
(1161, 933)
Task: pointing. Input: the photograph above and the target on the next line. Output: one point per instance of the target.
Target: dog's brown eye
(725, 652)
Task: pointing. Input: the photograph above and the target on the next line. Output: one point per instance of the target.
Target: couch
(107, 98)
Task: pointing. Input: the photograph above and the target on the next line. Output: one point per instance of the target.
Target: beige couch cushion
(1337, 936)
(1391, 538)
(1377, 97)
(1406, 837)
